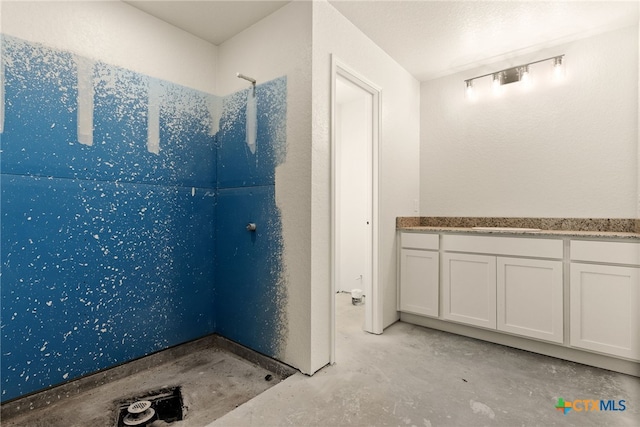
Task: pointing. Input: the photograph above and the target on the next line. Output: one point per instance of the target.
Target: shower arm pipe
(247, 78)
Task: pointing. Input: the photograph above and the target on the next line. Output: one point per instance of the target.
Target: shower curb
(80, 385)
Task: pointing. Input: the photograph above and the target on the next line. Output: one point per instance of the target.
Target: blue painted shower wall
(109, 251)
(250, 298)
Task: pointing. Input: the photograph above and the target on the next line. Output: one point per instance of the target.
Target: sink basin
(505, 229)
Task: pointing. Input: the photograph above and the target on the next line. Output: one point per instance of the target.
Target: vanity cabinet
(605, 297)
(559, 295)
(469, 289)
(518, 295)
(529, 298)
(419, 277)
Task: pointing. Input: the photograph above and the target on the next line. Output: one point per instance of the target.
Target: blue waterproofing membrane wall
(108, 251)
(250, 301)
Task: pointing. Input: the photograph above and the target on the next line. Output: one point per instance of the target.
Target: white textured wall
(398, 165)
(118, 34)
(280, 45)
(568, 150)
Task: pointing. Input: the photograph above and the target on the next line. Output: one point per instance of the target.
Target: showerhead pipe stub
(247, 78)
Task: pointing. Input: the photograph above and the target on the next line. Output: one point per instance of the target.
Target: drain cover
(139, 413)
(144, 409)
(139, 407)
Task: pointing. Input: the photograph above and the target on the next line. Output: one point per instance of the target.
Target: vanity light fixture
(519, 73)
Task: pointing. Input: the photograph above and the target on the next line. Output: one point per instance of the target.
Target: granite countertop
(616, 228)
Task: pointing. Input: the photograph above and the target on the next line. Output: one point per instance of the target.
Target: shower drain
(139, 413)
(142, 410)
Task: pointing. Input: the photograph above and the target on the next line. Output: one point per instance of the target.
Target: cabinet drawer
(606, 252)
(420, 241)
(511, 246)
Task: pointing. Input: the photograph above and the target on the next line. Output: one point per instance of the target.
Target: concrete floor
(413, 376)
(213, 381)
(409, 376)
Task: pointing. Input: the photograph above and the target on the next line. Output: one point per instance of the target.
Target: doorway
(355, 112)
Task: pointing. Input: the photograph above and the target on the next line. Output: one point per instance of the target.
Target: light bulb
(558, 67)
(496, 85)
(469, 92)
(525, 76)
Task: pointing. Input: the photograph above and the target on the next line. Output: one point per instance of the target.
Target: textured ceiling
(214, 21)
(428, 38)
(434, 38)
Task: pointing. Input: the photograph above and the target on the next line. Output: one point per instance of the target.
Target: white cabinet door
(605, 309)
(419, 282)
(469, 289)
(530, 298)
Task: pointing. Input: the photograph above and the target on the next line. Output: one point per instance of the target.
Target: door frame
(373, 304)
